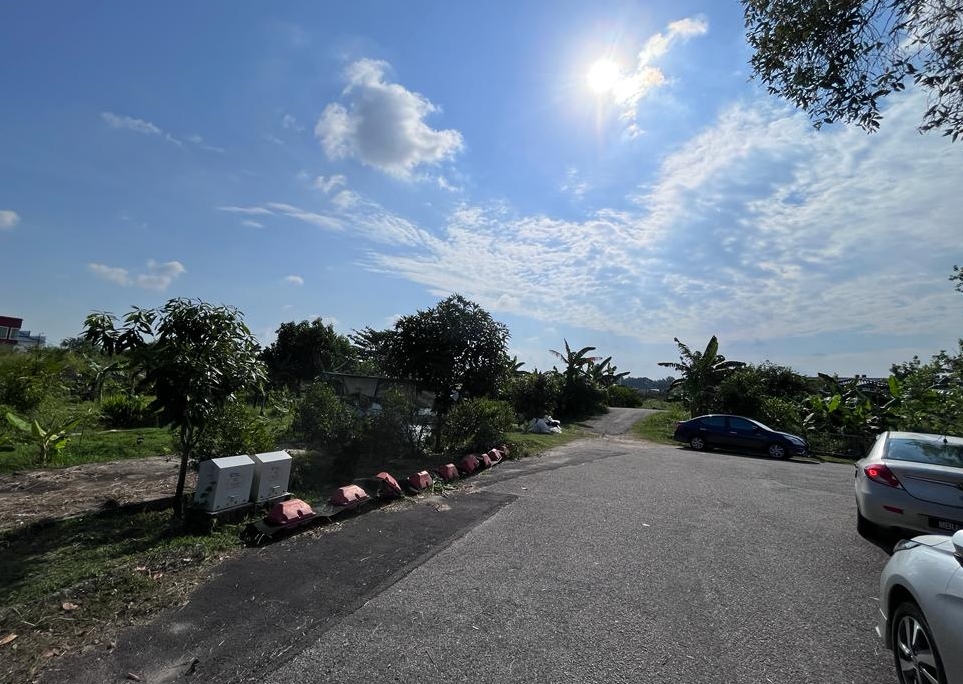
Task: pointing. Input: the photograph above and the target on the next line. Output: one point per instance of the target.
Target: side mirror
(958, 543)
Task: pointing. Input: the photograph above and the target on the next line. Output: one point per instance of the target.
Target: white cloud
(319, 220)
(252, 224)
(383, 124)
(294, 280)
(290, 123)
(345, 199)
(274, 139)
(8, 219)
(446, 185)
(328, 184)
(130, 123)
(574, 183)
(634, 85)
(137, 125)
(199, 141)
(247, 211)
(157, 276)
(757, 228)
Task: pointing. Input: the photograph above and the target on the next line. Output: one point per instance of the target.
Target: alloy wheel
(915, 655)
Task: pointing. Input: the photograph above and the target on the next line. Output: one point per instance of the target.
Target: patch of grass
(93, 447)
(74, 582)
(662, 404)
(659, 427)
(523, 444)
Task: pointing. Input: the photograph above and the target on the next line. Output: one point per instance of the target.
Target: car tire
(698, 443)
(777, 450)
(914, 651)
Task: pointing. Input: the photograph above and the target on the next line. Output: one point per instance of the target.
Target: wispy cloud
(247, 211)
(137, 126)
(252, 224)
(757, 228)
(574, 184)
(383, 124)
(644, 76)
(8, 219)
(156, 277)
(314, 218)
(294, 280)
(330, 183)
(199, 141)
(290, 123)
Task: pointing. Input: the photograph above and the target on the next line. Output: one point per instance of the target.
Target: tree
(701, 372)
(303, 351)
(198, 358)
(838, 60)
(455, 349)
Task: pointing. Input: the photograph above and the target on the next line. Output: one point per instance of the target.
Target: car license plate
(947, 525)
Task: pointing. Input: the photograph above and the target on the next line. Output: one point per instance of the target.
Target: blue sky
(358, 161)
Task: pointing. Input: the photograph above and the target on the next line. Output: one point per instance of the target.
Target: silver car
(921, 602)
(910, 481)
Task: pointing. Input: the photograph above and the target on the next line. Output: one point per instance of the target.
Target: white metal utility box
(271, 474)
(224, 483)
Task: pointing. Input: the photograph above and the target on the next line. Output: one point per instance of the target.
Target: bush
(397, 431)
(477, 425)
(581, 398)
(534, 395)
(237, 428)
(623, 397)
(322, 420)
(121, 411)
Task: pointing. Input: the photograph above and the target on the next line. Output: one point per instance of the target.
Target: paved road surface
(608, 560)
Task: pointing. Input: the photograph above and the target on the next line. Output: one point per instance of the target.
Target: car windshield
(925, 451)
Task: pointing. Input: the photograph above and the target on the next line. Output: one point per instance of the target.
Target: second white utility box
(271, 474)
(224, 483)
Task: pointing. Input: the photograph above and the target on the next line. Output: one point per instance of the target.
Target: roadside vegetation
(440, 383)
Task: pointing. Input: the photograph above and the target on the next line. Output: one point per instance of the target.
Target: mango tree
(195, 356)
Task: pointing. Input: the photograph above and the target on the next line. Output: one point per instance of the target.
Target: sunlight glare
(603, 76)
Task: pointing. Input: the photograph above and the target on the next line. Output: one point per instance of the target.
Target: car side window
(715, 422)
(741, 424)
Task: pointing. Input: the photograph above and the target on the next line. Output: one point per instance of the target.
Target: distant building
(27, 341)
(12, 334)
(10, 329)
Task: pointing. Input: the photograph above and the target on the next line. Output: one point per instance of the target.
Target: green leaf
(37, 432)
(18, 423)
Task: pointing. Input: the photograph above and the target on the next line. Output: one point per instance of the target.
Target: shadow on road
(799, 460)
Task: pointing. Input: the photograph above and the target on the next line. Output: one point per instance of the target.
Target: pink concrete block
(484, 461)
(389, 487)
(287, 511)
(420, 480)
(447, 472)
(348, 494)
(468, 464)
(496, 456)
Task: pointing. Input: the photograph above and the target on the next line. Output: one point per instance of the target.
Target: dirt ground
(30, 496)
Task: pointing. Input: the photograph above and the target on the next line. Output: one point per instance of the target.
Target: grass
(73, 582)
(93, 447)
(523, 444)
(658, 427)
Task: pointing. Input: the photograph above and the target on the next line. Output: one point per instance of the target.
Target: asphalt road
(624, 561)
(606, 560)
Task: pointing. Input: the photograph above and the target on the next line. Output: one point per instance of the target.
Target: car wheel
(777, 450)
(697, 443)
(914, 651)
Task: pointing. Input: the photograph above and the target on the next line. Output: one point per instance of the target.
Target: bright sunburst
(603, 76)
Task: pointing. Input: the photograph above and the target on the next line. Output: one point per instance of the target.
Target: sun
(603, 76)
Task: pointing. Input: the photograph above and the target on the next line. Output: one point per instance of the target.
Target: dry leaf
(7, 639)
(50, 653)
(68, 606)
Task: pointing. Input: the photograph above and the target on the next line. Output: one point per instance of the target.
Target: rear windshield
(925, 451)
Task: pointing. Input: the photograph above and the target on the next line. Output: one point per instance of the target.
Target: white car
(921, 602)
(910, 481)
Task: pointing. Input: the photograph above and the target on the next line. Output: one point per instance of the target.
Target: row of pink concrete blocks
(389, 487)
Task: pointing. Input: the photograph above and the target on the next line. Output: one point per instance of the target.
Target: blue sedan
(738, 434)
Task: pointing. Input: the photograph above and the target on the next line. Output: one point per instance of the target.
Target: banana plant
(45, 439)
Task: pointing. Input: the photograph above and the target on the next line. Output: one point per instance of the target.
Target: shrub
(477, 425)
(534, 395)
(121, 411)
(624, 397)
(237, 428)
(322, 420)
(397, 431)
(581, 398)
